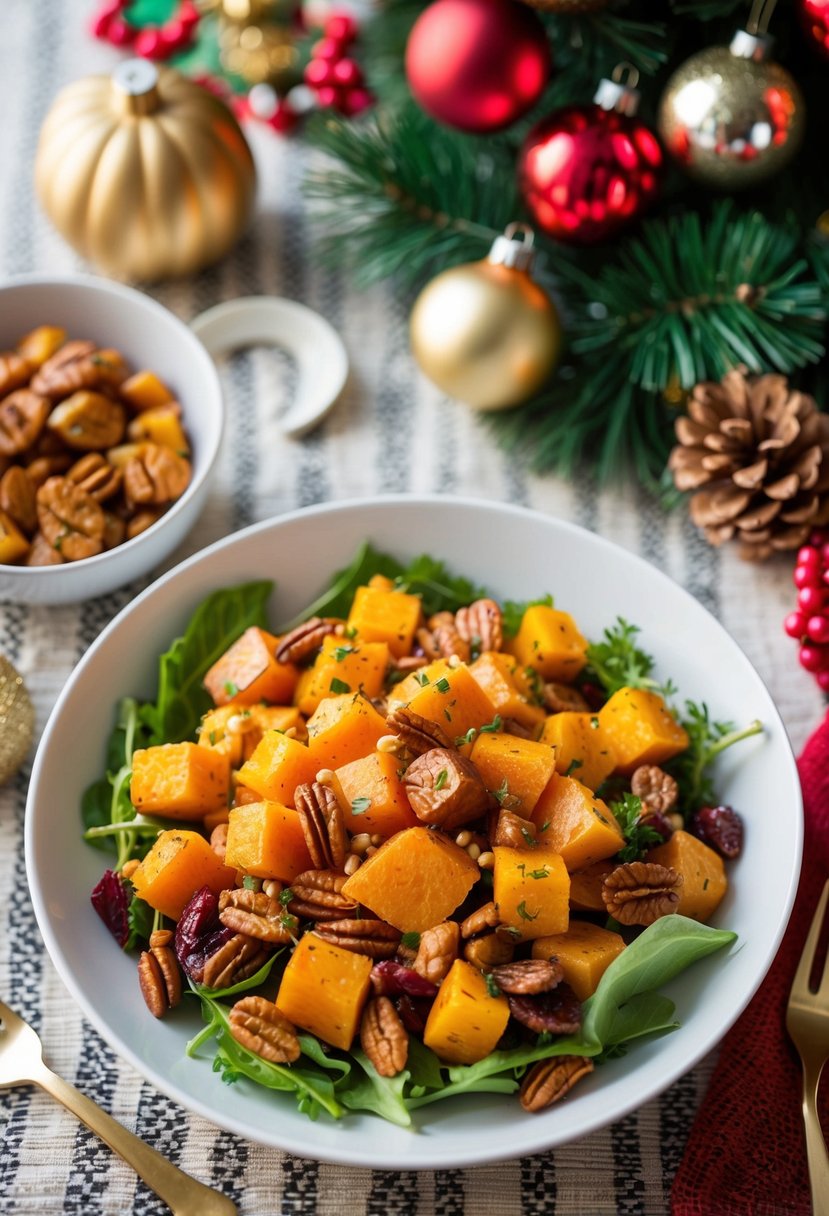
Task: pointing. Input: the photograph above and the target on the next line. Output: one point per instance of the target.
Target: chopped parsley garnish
(230, 688)
(285, 896)
(469, 737)
(339, 686)
(441, 779)
(524, 914)
(491, 987)
(572, 766)
(617, 661)
(529, 838)
(541, 873)
(359, 806)
(594, 723)
(421, 678)
(410, 940)
(492, 727)
(639, 836)
(502, 792)
(443, 685)
(341, 651)
(250, 883)
(213, 736)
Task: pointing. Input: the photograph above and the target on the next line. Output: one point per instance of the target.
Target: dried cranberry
(556, 1012)
(413, 1013)
(200, 933)
(594, 695)
(659, 822)
(111, 902)
(721, 827)
(391, 979)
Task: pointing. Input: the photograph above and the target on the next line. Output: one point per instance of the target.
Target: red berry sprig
(111, 24)
(335, 77)
(809, 623)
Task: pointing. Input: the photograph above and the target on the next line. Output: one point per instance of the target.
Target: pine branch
(407, 196)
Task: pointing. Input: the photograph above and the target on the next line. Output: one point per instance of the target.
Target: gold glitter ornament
(17, 721)
(485, 332)
(731, 116)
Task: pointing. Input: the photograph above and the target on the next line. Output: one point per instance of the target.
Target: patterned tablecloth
(391, 432)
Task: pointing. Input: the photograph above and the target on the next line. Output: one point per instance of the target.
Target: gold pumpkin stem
(135, 87)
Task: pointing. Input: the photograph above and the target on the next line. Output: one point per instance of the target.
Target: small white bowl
(149, 336)
(516, 554)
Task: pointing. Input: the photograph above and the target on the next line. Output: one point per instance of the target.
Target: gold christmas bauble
(730, 116)
(17, 721)
(487, 333)
(145, 172)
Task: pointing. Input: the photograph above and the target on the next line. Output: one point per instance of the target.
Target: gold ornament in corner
(144, 172)
(17, 721)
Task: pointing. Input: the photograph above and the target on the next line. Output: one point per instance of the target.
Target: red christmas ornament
(477, 64)
(335, 78)
(809, 623)
(586, 171)
(150, 41)
(814, 16)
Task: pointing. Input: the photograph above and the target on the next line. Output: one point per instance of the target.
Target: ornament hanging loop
(761, 14)
(626, 74)
(619, 92)
(515, 248)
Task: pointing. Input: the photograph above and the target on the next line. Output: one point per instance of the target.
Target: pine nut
(487, 861)
(129, 868)
(388, 743)
(272, 888)
(370, 851)
(325, 776)
(352, 864)
(676, 821)
(474, 850)
(377, 839)
(454, 661)
(290, 733)
(238, 724)
(360, 842)
(463, 839)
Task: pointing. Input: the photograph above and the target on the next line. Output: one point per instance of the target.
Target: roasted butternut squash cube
(412, 684)
(13, 544)
(585, 952)
(415, 880)
(704, 881)
(248, 672)
(586, 886)
(514, 766)
(343, 728)
(237, 730)
(40, 344)
(581, 747)
(277, 766)
(179, 781)
(178, 865)
(144, 391)
(641, 729)
(323, 990)
(265, 839)
(162, 424)
(379, 615)
(454, 700)
(500, 678)
(570, 819)
(343, 666)
(549, 641)
(465, 1022)
(532, 891)
(374, 795)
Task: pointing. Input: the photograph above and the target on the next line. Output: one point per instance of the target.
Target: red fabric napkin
(746, 1155)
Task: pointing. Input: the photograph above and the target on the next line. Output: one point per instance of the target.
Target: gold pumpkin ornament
(485, 332)
(145, 172)
(17, 720)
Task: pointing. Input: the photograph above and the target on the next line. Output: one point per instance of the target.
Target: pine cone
(757, 454)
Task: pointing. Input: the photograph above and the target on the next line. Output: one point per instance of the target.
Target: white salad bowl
(517, 554)
(149, 336)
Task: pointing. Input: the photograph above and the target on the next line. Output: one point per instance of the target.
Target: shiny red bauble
(585, 172)
(809, 624)
(814, 16)
(477, 65)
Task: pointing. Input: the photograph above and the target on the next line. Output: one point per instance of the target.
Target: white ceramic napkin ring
(316, 347)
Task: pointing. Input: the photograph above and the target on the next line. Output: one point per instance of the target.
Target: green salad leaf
(639, 837)
(707, 740)
(365, 1089)
(618, 662)
(336, 599)
(440, 590)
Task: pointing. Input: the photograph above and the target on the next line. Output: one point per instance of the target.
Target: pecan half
(42, 468)
(257, 915)
(70, 368)
(69, 519)
(528, 976)
(437, 951)
(305, 640)
(23, 416)
(554, 1012)
(17, 498)
(549, 1080)
(482, 625)
(218, 840)
(114, 530)
(14, 371)
(411, 662)
(481, 919)
(259, 1026)
(561, 698)
(142, 520)
(157, 475)
(234, 961)
(447, 639)
(96, 476)
(640, 892)
(368, 936)
(445, 789)
(88, 421)
(316, 895)
(657, 789)
(323, 824)
(514, 832)
(488, 951)
(159, 975)
(417, 733)
(383, 1037)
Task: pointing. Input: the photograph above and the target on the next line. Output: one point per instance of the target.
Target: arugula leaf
(513, 612)
(617, 662)
(645, 1013)
(336, 599)
(140, 918)
(96, 809)
(440, 590)
(707, 739)
(639, 836)
(369, 1091)
(218, 621)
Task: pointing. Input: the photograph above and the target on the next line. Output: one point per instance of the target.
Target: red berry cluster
(151, 41)
(335, 77)
(809, 623)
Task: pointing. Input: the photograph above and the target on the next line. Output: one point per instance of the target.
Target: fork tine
(9, 1017)
(800, 985)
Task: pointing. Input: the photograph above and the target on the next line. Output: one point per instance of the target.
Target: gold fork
(21, 1063)
(807, 1021)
